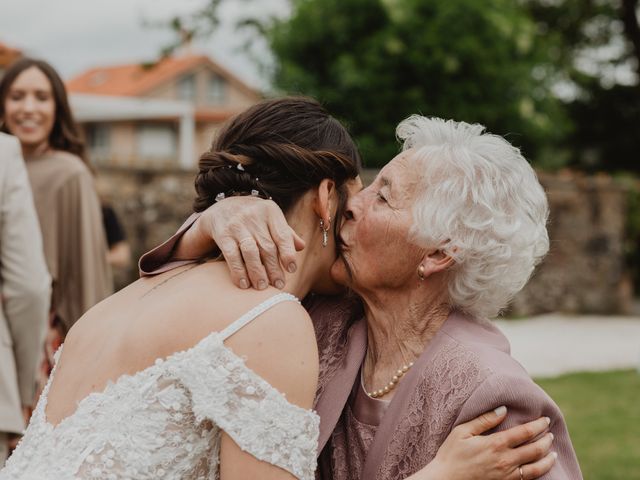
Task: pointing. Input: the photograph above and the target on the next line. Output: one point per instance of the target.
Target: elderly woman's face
(377, 253)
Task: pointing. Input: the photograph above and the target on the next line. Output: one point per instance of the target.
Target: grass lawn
(602, 411)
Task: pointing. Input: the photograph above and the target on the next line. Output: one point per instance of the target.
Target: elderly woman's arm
(525, 401)
(252, 233)
(467, 454)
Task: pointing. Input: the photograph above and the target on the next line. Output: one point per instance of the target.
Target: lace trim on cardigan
(445, 385)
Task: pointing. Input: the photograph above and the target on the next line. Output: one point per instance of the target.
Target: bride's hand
(252, 234)
(468, 455)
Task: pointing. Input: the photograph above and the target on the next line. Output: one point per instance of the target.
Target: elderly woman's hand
(520, 453)
(252, 234)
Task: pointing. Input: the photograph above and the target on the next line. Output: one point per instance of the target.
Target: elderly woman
(448, 233)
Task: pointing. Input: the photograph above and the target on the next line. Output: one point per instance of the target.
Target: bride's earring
(325, 233)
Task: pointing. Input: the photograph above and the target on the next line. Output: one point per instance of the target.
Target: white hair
(482, 203)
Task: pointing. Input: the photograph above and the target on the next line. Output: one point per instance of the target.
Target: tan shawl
(72, 232)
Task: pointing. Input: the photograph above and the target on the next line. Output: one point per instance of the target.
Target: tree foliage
(593, 41)
(496, 62)
(374, 62)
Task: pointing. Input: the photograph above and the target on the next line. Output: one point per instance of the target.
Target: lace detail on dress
(258, 417)
(446, 384)
(166, 421)
(351, 441)
(332, 329)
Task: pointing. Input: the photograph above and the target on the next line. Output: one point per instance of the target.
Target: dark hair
(283, 147)
(65, 134)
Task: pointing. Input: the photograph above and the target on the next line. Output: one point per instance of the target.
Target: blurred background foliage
(559, 78)
(376, 62)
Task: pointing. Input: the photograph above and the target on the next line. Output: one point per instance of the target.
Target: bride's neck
(312, 262)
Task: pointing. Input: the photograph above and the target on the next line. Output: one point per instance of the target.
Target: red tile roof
(138, 79)
(8, 55)
(213, 115)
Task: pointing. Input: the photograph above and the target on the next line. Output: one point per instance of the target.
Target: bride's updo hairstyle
(277, 149)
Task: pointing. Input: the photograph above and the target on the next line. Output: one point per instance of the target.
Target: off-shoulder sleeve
(525, 401)
(247, 408)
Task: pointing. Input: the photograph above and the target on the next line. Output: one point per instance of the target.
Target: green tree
(580, 26)
(374, 62)
(593, 41)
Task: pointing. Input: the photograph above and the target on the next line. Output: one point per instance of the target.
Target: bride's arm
(236, 464)
(280, 347)
(466, 454)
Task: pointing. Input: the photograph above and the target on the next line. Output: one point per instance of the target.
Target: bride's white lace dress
(166, 421)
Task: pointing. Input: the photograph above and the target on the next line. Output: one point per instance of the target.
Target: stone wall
(151, 205)
(584, 271)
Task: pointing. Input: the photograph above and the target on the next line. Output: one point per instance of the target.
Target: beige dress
(72, 232)
(354, 434)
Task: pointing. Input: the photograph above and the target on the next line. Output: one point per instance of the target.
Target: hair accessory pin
(219, 197)
(240, 167)
(255, 193)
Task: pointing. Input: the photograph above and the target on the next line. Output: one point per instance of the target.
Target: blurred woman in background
(35, 109)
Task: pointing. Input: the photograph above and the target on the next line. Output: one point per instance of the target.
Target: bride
(184, 376)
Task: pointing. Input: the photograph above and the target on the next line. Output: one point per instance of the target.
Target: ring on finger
(521, 474)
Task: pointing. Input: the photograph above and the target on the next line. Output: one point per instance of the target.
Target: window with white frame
(99, 139)
(217, 91)
(158, 142)
(187, 88)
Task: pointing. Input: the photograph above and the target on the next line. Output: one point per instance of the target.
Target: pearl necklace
(393, 383)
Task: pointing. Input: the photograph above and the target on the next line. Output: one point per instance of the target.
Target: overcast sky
(74, 35)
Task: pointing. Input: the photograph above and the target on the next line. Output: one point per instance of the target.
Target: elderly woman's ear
(434, 261)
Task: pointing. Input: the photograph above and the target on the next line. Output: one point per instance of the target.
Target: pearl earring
(421, 272)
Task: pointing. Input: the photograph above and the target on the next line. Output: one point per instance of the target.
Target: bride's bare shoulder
(176, 310)
(280, 346)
